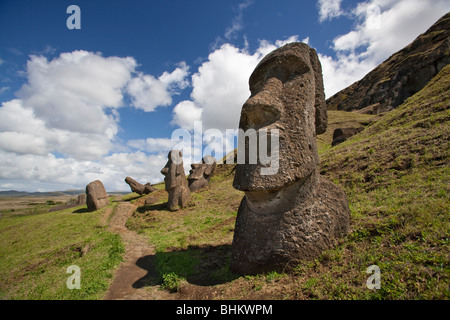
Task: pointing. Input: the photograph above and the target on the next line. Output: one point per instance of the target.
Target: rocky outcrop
(400, 76)
(292, 214)
(96, 196)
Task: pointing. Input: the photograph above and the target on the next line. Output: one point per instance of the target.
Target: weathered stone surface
(342, 134)
(138, 187)
(201, 173)
(400, 76)
(175, 181)
(293, 214)
(96, 196)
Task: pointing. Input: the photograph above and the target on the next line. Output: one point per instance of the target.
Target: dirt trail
(136, 278)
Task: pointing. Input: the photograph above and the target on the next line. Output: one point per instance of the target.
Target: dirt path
(136, 278)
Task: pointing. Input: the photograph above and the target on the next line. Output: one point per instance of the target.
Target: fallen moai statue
(139, 188)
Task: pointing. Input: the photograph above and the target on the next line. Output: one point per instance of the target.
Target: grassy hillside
(37, 249)
(395, 174)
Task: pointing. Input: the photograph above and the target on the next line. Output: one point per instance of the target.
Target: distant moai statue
(175, 181)
(293, 214)
(201, 173)
(81, 199)
(96, 196)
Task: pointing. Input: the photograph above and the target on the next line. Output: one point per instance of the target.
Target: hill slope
(396, 176)
(401, 75)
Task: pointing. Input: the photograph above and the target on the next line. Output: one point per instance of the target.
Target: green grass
(396, 177)
(183, 239)
(36, 250)
(341, 119)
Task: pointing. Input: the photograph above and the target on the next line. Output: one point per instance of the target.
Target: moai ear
(320, 105)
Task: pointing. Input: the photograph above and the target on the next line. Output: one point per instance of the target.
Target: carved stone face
(286, 94)
(201, 173)
(173, 170)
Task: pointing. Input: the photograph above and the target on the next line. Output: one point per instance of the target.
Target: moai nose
(264, 107)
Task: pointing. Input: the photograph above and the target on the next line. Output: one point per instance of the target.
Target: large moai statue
(138, 187)
(201, 173)
(292, 214)
(175, 181)
(96, 196)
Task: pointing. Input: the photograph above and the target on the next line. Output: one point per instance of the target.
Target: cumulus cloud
(148, 92)
(67, 106)
(152, 145)
(220, 86)
(329, 9)
(62, 127)
(186, 113)
(237, 22)
(383, 27)
(48, 172)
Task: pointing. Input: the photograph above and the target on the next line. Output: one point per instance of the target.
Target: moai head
(201, 173)
(173, 170)
(139, 188)
(287, 95)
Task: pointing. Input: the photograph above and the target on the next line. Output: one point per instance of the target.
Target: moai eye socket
(285, 68)
(256, 116)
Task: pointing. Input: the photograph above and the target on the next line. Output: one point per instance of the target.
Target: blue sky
(102, 102)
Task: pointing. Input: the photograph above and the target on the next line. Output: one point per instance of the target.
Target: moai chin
(293, 214)
(201, 173)
(175, 181)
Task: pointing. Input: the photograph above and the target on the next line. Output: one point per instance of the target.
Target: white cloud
(47, 172)
(3, 89)
(152, 144)
(186, 113)
(237, 22)
(329, 9)
(61, 130)
(148, 92)
(220, 86)
(383, 27)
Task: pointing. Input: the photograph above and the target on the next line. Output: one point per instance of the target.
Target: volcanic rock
(400, 76)
(175, 181)
(201, 173)
(139, 188)
(96, 196)
(292, 214)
